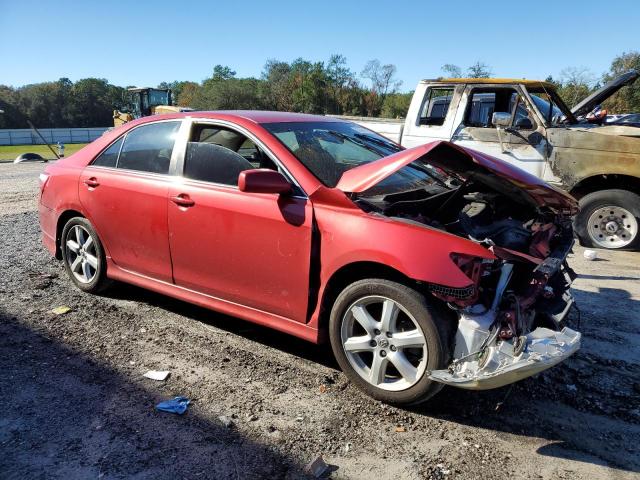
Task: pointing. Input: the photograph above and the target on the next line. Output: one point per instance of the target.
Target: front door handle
(92, 182)
(183, 200)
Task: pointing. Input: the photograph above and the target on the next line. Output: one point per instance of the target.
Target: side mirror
(523, 124)
(501, 119)
(263, 180)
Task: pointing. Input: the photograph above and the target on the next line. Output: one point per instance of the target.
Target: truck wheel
(609, 219)
(386, 338)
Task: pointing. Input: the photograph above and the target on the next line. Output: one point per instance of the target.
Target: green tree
(479, 70)
(627, 99)
(383, 82)
(451, 71)
(278, 85)
(396, 105)
(575, 84)
(221, 72)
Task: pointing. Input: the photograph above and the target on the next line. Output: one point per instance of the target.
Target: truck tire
(609, 219)
(386, 337)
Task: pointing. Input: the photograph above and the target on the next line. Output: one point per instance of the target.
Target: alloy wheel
(81, 254)
(383, 343)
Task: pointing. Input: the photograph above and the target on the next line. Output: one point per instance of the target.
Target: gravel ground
(74, 403)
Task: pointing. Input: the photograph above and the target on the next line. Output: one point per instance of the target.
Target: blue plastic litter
(177, 405)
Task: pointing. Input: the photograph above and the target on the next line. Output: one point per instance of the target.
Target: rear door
(247, 248)
(525, 147)
(124, 193)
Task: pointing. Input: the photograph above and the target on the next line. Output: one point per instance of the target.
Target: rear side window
(148, 148)
(109, 157)
(436, 105)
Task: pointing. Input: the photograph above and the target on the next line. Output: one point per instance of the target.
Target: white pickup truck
(526, 123)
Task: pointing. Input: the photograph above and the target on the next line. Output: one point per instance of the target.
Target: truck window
(436, 105)
(484, 102)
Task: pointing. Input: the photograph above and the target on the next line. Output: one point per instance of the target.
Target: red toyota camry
(423, 267)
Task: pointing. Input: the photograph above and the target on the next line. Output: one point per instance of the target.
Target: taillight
(44, 179)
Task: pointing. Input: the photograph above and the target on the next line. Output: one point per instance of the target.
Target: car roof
(500, 81)
(257, 116)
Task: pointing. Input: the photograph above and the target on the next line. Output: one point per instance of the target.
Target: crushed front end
(514, 327)
(511, 319)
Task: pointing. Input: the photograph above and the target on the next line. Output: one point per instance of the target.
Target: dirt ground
(74, 403)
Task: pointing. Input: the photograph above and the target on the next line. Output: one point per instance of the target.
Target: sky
(146, 42)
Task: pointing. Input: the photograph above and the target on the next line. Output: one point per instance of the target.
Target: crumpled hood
(365, 176)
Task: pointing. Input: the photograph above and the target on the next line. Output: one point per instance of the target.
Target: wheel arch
(599, 182)
(62, 221)
(352, 272)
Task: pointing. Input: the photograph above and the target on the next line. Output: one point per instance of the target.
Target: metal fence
(26, 136)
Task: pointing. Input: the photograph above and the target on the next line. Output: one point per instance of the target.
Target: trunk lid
(464, 161)
(600, 95)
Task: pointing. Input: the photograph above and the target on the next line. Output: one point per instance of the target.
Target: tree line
(330, 87)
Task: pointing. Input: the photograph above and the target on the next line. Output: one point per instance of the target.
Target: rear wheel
(83, 256)
(386, 338)
(609, 219)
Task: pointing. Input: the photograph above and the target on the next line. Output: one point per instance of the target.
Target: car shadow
(64, 414)
(266, 336)
(540, 407)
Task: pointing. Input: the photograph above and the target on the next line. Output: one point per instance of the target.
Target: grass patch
(10, 152)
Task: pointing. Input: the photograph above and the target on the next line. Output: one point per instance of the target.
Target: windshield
(158, 97)
(328, 149)
(554, 111)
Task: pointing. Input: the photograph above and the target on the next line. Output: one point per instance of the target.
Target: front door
(246, 248)
(524, 146)
(124, 193)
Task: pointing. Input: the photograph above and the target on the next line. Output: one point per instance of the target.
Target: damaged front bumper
(500, 365)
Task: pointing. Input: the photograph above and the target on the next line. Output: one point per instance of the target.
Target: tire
(90, 273)
(415, 317)
(609, 219)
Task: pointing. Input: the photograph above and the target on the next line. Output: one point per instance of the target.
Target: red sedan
(429, 266)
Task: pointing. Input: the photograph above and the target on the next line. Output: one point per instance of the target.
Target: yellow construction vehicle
(142, 102)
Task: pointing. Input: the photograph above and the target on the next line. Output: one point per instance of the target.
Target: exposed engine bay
(511, 321)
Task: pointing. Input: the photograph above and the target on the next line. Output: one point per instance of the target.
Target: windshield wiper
(377, 141)
(356, 141)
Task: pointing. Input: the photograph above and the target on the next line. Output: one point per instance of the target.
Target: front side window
(218, 154)
(148, 148)
(328, 149)
(436, 105)
(109, 157)
(483, 103)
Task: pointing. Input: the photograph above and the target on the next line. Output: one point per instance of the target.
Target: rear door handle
(183, 200)
(92, 182)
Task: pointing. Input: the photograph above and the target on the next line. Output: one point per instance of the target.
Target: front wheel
(609, 219)
(386, 338)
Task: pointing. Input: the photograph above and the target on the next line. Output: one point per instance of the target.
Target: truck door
(524, 143)
(435, 114)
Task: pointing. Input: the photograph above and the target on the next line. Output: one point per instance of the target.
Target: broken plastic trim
(499, 365)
